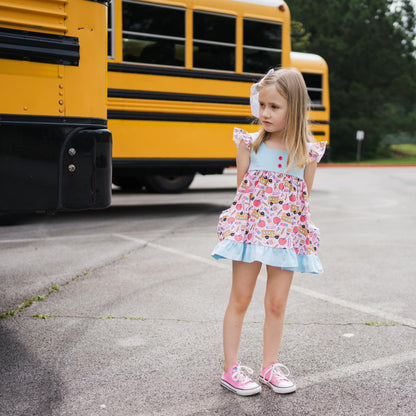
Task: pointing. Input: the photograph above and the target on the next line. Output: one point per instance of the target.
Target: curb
(365, 165)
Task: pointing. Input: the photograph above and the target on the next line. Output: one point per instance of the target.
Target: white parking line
(173, 251)
(356, 306)
(316, 295)
(336, 373)
(351, 370)
(227, 266)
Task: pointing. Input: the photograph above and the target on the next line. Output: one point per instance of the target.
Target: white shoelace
(279, 370)
(238, 374)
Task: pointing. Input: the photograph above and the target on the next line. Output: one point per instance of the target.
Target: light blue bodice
(272, 160)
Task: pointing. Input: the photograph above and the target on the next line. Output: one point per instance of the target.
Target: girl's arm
(243, 162)
(309, 175)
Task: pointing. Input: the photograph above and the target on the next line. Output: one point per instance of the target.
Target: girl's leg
(277, 292)
(244, 282)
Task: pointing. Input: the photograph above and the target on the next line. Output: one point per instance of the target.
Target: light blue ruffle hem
(287, 259)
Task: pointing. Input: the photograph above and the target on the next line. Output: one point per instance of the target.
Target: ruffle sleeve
(241, 135)
(316, 150)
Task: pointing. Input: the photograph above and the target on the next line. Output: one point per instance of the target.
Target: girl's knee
(240, 303)
(275, 307)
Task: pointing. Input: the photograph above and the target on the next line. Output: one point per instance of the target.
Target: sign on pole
(360, 137)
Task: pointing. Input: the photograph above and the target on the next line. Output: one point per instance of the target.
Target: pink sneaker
(238, 382)
(275, 378)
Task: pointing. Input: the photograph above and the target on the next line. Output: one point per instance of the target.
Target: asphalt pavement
(119, 312)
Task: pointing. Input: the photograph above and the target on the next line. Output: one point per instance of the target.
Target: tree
(300, 37)
(370, 49)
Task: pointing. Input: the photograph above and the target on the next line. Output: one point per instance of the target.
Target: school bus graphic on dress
(275, 200)
(244, 184)
(290, 186)
(269, 234)
(295, 209)
(257, 214)
(241, 217)
(224, 218)
(311, 250)
(264, 181)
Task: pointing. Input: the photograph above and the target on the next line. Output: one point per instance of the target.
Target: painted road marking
(222, 265)
(358, 368)
(336, 373)
(311, 293)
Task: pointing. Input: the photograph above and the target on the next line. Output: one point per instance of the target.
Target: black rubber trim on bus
(167, 96)
(23, 45)
(179, 72)
(319, 122)
(167, 163)
(196, 118)
(17, 119)
(104, 2)
(197, 98)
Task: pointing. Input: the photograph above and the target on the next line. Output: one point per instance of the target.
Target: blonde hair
(290, 85)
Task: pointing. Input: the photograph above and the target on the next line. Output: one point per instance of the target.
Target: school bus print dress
(269, 220)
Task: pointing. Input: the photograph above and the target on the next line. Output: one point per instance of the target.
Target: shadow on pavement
(170, 210)
(27, 386)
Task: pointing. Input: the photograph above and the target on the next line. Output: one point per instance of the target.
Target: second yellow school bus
(179, 77)
(315, 73)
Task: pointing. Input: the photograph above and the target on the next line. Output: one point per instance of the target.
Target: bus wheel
(168, 184)
(128, 183)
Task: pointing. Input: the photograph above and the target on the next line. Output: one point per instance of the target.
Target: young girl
(269, 221)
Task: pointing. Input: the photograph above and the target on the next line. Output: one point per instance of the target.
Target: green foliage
(300, 37)
(27, 303)
(43, 316)
(131, 318)
(407, 149)
(375, 323)
(369, 46)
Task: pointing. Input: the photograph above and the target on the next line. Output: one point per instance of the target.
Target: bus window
(110, 34)
(153, 34)
(314, 85)
(214, 41)
(262, 48)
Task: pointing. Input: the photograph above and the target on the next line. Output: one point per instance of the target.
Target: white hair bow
(254, 96)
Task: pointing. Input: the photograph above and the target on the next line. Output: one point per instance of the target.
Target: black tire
(12, 219)
(168, 184)
(128, 183)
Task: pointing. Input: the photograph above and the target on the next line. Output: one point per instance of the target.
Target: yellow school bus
(315, 73)
(55, 148)
(179, 77)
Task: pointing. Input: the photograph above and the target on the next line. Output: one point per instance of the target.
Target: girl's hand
(243, 162)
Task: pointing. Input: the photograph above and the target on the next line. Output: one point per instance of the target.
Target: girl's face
(273, 111)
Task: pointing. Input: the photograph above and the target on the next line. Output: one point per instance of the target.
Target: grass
(404, 149)
(131, 318)
(393, 161)
(41, 316)
(27, 303)
(375, 323)
(402, 154)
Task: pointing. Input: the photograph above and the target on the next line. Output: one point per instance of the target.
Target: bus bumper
(54, 168)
